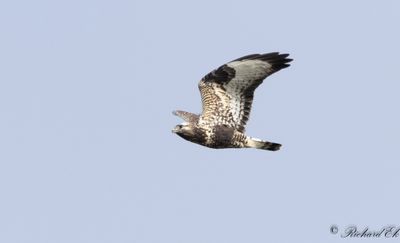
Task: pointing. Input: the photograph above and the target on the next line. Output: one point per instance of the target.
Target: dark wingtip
(277, 59)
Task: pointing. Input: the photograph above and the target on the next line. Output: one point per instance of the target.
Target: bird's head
(183, 130)
(190, 132)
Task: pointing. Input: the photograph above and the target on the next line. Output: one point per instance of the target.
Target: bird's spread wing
(187, 116)
(227, 92)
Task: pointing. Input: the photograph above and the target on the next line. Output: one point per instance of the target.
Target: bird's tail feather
(259, 144)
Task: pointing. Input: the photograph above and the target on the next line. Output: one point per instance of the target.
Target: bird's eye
(180, 126)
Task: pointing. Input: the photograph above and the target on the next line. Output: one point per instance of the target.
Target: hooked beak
(175, 130)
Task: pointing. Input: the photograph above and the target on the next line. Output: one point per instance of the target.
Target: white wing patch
(248, 70)
(245, 71)
(227, 92)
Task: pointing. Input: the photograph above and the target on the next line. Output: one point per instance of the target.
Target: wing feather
(227, 92)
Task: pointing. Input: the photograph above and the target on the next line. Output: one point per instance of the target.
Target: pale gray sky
(86, 94)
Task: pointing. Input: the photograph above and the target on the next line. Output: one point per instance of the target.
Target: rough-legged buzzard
(227, 95)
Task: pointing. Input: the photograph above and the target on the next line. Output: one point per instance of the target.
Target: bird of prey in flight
(227, 95)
